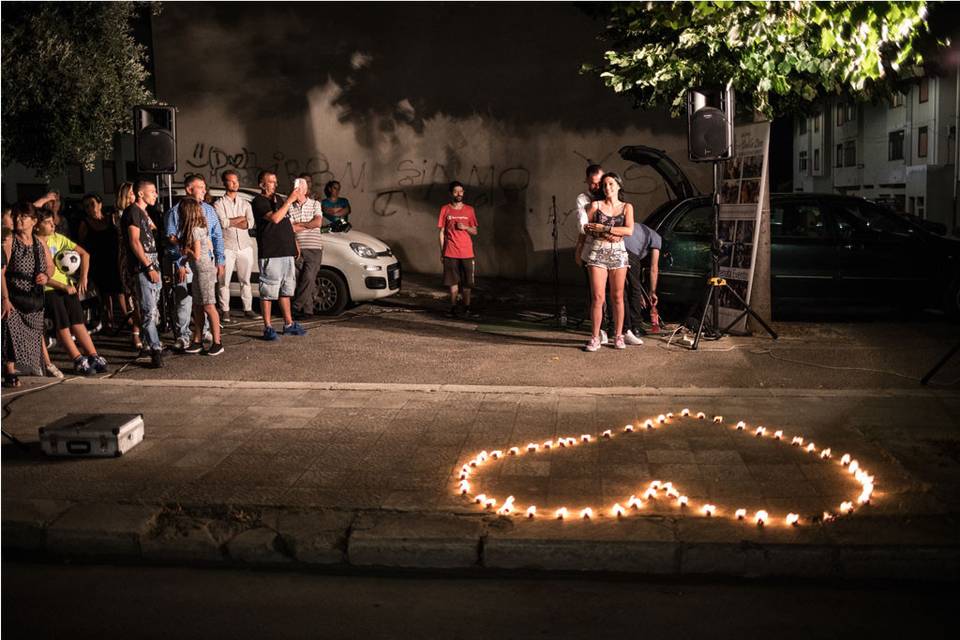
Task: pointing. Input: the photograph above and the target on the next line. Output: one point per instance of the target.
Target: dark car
(828, 252)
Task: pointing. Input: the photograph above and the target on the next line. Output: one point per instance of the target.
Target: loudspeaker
(155, 139)
(710, 114)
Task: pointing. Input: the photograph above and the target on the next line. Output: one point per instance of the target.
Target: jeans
(304, 298)
(184, 302)
(149, 298)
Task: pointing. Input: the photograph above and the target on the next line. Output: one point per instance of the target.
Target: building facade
(901, 152)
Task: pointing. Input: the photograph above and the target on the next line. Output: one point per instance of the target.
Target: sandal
(137, 344)
(10, 380)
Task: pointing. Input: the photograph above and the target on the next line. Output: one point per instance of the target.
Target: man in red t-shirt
(457, 223)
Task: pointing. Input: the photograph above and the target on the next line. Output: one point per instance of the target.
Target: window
(922, 142)
(839, 160)
(803, 162)
(109, 177)
(895, 145)
(698, 221)
(863, 218)
(797, 220)
(897, 100)
(850, 153)
(75, 178)
(802, 126)
(923, 92)
(816, 160)
(921, 210)
(851, 114)
(841, 112)
(816, 123)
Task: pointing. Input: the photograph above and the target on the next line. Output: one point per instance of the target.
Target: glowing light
(586, 514)
(634, 503)
(669, 416)
(717, 419)
(685, 413)
(480, 499)
(648, 424)
(514, 451)
(548, 444)
(827, 516)
(793, 519)
(655, 484)
(617, 510)
(586, 437)
(811, 448)
(662, 418)
(464, 487)
(846, 508)
(741, 425)
(826, 453)
(490, 503)
(483, 456)
(666, 486)
(561, 513)
(760, 432)
(531, 511)
(761, 517)
(650, 494)
(496, 455)
(507, 507)
(562, 442)
(741, 514)
(533, 446)
(797, 441)
(673, 493)
(778, 434)
(853, 466)
(701, 415)
(845, 460)
(607, 434)
(628, 428)
(683, 501)
(709, 510)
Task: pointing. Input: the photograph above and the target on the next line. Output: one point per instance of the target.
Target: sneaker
(618, 343)
(225, 318)
(470, 314)
(181, 345)
(294, 329)
(81, 366)
(592, 345)
(156, 359)
(603, 337)
(250, 314)
(269, 333)
(98, 363)
(630, 338)
(195, 347)
(53, 371)
(452, 312)
(215, 349)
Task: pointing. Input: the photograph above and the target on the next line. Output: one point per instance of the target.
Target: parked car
(828, 252)
(357, 267)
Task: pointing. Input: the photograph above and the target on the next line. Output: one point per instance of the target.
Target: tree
(780, 56)
(72, 71)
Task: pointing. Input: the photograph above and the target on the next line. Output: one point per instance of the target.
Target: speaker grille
(709, 139)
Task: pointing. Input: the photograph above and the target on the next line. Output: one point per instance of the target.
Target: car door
(804, 265)
(685, 255)
(882, 258)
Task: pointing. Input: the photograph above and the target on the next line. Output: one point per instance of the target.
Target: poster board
(743, 183)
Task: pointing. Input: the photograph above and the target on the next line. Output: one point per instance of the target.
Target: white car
(357, 267)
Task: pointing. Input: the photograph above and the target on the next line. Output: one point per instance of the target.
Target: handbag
(30, 301)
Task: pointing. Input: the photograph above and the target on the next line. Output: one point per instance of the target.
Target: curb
(919, 548)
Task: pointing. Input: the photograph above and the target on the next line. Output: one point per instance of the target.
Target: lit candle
(701, 415)
(587, 513)
(483, 456)
(717, 419)
(741, 425)
(846, 508)
(669, 416)
(617, 510)
(650, 494)
(464, 487)
(666, 486)
(507, 507)
(673, 493)
(531, 511)
(571, 441)
(685, 413)
(741, 514)
(845, 460)
(654, 484)
(825, 453)
(682, 501)
(548, 444)
(474, 462)
(761, 517)
(490, 503)
(607, 434)
(760, 432)
(778, 434)
(464, 475)
(480, 499)
(853, 466)
(797, 441)
(496, 455)
(792, 519)
(811, 448)
(648, 424)
(562, 442)
(465, 469)
(628, 428)
(662, 418)
(709, 510)
(533, 446)
(514, 450)
(586, 437)
(827, 516)
(634, 503)
(561, 513)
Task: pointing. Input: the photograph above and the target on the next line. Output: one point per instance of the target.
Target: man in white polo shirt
(236, 218)
(306, 216)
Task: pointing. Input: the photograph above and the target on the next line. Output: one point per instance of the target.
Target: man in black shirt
(142, 246)
(277, 252)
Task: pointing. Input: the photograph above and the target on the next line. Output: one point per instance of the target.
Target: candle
(483, 456)
(628, 428)
(533, 446)
(741, 514)
(507, 507)
(464, 488)
(531, 511)
(811, 448)
(778, 434)
(741, 425)
(562, 442)
(585, 437)
(514, 450)
(846, 508)
(496, 455)
(853, 466)
(586, 514)
(548, 444)
(792, 519)
(760, 432)
(654, 484)
(845, 460)
(464, 475)
(761, 517)
(491, 503)
(673, 493)
(717, 419)
(825, 453)
(709, 510)
(634, 502)
(827, 516)
(650, 494)
(682, 501)
(607, 434)
(662, 418)
(561, 513)
(617, 510)
(701, 415)
(648, 424)
(685, 413)
(669, 416)
(666, 486)
(480, 499)
(797, 441)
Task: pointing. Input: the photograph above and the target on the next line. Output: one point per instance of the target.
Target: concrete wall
(396, 100)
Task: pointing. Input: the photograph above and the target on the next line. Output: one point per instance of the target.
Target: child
(62, 300)
(195, 241)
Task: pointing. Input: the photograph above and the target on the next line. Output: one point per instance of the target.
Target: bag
(30, 301)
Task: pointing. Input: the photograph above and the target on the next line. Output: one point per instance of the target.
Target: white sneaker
(603, 337)
(618, 343)
(53, 371)
(592, 345)
(629, 338)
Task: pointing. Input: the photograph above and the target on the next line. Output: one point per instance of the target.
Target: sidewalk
(324, 474)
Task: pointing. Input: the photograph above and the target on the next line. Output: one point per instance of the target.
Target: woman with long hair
(27, 267)
(601, 248)
(194, 239)
(99, 235)
(128, 278)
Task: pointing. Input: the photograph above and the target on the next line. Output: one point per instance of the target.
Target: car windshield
(863, 216)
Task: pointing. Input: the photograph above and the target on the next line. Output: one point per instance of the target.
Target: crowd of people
(129, 255)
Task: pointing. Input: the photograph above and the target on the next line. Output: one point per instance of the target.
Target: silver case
(102, 435)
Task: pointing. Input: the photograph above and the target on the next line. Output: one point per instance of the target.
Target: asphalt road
(59, 601)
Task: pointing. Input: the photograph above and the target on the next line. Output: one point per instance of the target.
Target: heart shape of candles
(661, 489)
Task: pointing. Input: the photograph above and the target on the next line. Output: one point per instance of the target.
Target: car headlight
(363, 250)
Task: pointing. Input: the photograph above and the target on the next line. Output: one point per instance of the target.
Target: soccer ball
(68, 262)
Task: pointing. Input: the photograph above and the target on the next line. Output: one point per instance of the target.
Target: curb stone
(258, 546)
(415, 540)
(25, 522)
(190, 543)
(101, 529)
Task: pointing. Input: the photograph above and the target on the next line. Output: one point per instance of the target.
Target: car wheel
(332, 293)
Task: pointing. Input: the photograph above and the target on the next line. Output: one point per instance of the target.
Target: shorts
(62, 308)
(204, 285)
(458, 271)
(605, 255)
(278, 277)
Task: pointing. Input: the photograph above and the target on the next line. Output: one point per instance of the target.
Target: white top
(234, 239)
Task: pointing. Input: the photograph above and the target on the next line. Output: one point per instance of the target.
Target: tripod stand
(944, 360)
(715, 283)
(559, 311)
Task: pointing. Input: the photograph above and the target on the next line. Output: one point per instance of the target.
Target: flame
(654, 484)
(464, 487)
(685, 413)
(760, 432)
(741, 514)
(496, 455)
(826, 453)
(717, 419)
(507, 507)
(482, 457)
(669, 416)
(853, 466)
(648, 424)
(846, 508)
(811, 448)
(682, 501)
(792, 519)
(607, 434)
(778, 434)
(797, 441)
(586, 437)
(845, 460)
(741, 425)
(673, 493)
(586, 514)
(533, 446)
(561, 513)
(761, 517)
(531, 511)
(701, 415)
(709, 510)
(617, 510)
(634, 503)
(514, 451)
(480, 498)
(548, 444)
(650, 494)
(662, 418)
(628, 428)
(490, 503)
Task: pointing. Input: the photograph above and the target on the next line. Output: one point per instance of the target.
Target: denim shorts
(278, 277)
